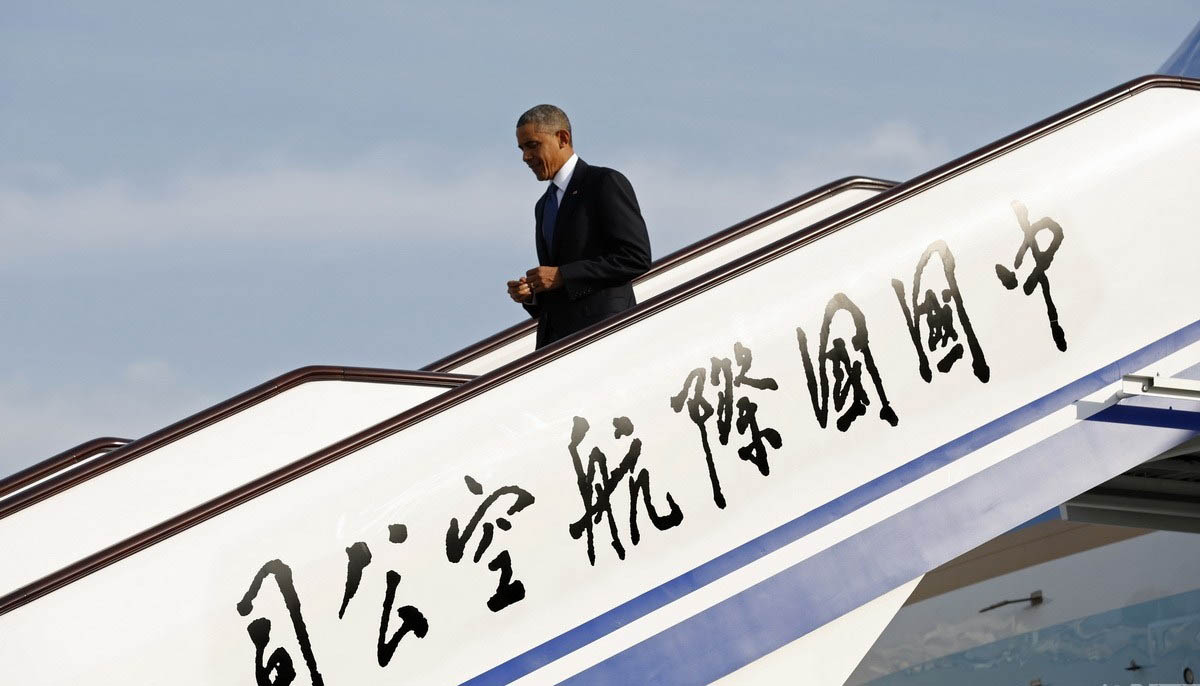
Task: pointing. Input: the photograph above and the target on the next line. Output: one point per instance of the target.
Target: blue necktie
(549, 215)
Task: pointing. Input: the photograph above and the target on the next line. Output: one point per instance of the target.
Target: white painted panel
(685, 271)
(829, 654)
(121, 502)
(1120, 183)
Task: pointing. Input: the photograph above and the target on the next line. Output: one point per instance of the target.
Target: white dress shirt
(563, 177)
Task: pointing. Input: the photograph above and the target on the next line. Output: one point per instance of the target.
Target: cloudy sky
(197, 197)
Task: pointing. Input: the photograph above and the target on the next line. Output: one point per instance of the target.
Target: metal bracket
(1160, 386)
(1115, 411)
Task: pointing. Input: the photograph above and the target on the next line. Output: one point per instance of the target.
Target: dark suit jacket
(600, 244)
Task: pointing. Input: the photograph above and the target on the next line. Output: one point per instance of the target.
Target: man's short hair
(545, 117)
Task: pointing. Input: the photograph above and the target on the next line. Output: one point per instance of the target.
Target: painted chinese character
(700, 410)
(850, 397)
(411, 619)
(508, 591)
(358, 557)
(1041, 263)
(938, 318)
(597, 485)
(280, 662)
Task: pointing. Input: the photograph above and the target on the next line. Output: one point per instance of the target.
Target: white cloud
(683, 204)
(897, 144)
(284, 202)
(386, 195)
(155, 374)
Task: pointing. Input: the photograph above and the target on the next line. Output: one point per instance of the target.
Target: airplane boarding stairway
(750, 469)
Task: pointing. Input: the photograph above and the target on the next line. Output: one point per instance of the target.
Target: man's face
(543, 151)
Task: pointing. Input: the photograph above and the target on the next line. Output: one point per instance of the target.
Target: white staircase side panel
(121, 502)
(829, 654)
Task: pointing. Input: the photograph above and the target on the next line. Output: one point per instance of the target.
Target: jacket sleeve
(627, 253)
(533, 308)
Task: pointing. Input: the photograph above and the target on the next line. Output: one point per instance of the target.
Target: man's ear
(564, 137)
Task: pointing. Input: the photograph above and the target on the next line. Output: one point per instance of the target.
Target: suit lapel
(569, 201)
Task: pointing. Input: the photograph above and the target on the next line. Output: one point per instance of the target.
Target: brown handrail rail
(135, 449)
(508, 372)
(20, 479)
(680, 256)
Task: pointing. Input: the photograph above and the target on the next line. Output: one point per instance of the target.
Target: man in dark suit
(590, 235)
